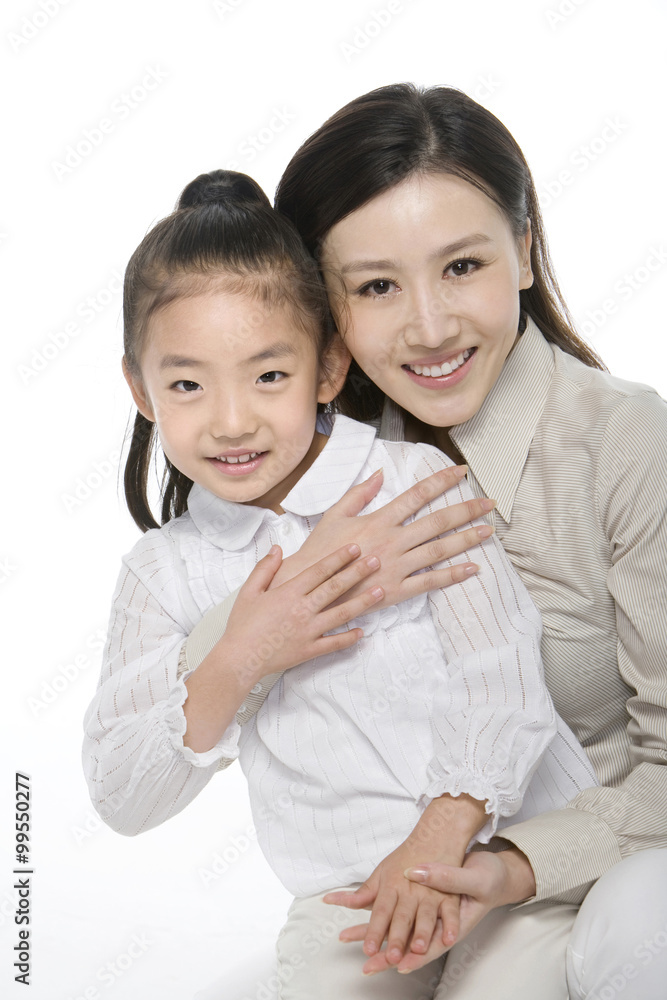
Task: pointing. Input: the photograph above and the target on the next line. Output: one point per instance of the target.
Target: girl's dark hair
(383, 137)
(224, 229)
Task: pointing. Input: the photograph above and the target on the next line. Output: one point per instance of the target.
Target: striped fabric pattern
(577, 461)
(349, 766)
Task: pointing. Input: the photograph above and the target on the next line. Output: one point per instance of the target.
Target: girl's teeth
(234, 459)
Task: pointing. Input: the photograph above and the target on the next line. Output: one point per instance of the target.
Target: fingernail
(274, 550)
(484, 531)
(369, 973)
(487, 504)
(378, 472)
(404, 972)
(472, 568)
(373, 562)
(416, 874)
(377, 592)
(353, 549)
(461, 470)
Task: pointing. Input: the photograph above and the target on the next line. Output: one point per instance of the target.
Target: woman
(423, 215)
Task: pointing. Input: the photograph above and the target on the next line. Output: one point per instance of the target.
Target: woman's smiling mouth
(444, 373)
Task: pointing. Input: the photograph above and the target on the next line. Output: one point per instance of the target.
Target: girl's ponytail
(223, 228)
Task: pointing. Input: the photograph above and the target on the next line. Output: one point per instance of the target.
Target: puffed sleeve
(496, 732)
(138, 770)
(602, 825)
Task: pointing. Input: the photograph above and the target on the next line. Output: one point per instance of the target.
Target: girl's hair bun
(223, 187)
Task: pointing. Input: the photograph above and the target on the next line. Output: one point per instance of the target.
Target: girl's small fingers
(425, 921)
(326, 569)
(263, 573)
(355, 899)
(334, 587)
(343, 613)
(378, 925)
(400, 930)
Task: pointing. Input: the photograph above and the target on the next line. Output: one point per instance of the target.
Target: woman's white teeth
(234, 459)
(446, 368)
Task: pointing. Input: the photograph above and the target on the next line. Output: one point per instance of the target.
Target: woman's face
(424, 282)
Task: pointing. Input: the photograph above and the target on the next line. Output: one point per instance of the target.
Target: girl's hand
(272, 629)
(484, 881)
(402, 549)
(405, 917)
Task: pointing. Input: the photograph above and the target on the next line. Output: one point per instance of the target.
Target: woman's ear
(333, 368)
(526, 271)
(139, 394)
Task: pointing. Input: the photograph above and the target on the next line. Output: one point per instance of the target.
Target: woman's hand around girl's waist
(403, 549)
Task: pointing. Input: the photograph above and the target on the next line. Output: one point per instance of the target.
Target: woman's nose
(431, 321)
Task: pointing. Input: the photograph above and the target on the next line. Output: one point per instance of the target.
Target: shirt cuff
(466, 783)
(227, 746)
(568, 850)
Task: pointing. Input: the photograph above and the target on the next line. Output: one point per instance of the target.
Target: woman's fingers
(445, 519)
(448, 878)
(356, 498)
(413, 499)
(450, 914)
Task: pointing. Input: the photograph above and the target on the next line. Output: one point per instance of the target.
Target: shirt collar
(495, 442)
(232, 525)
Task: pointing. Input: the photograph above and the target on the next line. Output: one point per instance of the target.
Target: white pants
(613, 946)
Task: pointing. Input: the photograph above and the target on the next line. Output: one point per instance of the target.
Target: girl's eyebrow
(177, 361)
(281, 349)
(445, 251)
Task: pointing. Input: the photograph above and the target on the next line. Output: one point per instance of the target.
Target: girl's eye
(269, 377)
(378, 288)
(460, 268)
(185, 385)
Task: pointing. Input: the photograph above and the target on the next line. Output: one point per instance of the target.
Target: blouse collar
(496, 441)
(233, 525)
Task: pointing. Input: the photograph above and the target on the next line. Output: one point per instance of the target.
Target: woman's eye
(460, 268)
(378, 288)
(269, 377)
(185, 385)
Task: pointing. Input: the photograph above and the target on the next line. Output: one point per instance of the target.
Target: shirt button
(257, 688)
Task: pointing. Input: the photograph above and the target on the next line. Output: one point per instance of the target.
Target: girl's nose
(231, 417)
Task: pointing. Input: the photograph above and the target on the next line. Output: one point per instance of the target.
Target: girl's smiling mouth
(239, 464)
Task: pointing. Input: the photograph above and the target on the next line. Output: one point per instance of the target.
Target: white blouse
(444, 693)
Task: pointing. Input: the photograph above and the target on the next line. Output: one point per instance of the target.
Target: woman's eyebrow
(474, 239)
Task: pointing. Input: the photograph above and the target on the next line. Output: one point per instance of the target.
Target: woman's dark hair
(223, 229)
(383, 137)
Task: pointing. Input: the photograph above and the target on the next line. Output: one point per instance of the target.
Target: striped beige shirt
(577, 462)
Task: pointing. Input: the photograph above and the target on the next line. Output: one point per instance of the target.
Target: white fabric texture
(346, 750)
(575, 459)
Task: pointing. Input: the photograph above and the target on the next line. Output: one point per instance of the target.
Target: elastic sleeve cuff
(466, 783)
(568, 850)
(227, 746)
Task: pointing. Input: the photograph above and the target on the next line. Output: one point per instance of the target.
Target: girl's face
(424, 282)
(233, 388)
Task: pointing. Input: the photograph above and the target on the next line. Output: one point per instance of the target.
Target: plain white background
(110, 109)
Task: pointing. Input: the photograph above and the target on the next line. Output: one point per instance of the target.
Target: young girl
(407, 736)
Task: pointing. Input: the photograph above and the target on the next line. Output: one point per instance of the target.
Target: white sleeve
(138, 770)
(493, 719)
